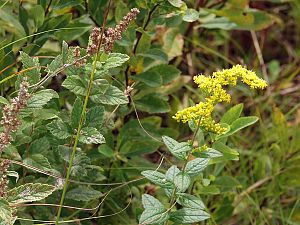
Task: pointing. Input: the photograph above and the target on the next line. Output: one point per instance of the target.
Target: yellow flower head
(212, 87)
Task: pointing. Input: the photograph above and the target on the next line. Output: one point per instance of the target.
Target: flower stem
(81, 121)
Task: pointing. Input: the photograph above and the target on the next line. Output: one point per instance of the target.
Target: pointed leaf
(153, 216)
(179, 150)
(182, 182)
(171, 173)
(157, 178)
(59, 129)
(149, 202)
(90, 135)
(190, 201)
(188, 215)
(195, 166)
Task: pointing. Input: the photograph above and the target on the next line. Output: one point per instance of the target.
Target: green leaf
(29, 193)
(190, 201)
(195, 166)
(111, 96)
(55, 65)
(153, 216)
(90, 135)
(171, 173)
(95, 117)
(76, 113)
(106, 150)
(153, 103)
(173, 43)
(189, 215)
(149, 202)
(38, 161)
(41, 98)
(59, 129)
(33, 65)
(182, 182)
(83, 193)
(228, 153)
(3, 100)
(232, 114)
(75, 84)
(115, 60)
(191, 15)
(6, 217)
(179, 150)
(157, 178)
(13, 174)
(39, 146)
(239, 124)
(168, 73)
(155, 54)
(150, 78)
(176, 3)
(38, 15)
(210, 153)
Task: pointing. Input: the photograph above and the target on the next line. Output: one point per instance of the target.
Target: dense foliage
(124, 112)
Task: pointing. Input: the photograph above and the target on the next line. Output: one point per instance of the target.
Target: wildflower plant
(195, 155)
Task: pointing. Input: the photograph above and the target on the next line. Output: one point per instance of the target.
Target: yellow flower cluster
(215, 93)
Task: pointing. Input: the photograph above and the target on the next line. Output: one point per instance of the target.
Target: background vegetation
(169, 43)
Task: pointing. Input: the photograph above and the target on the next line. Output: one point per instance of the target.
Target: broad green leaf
(39, 146)
(38, 161)
(182, 182)
(153, 216)
(76, 113)
(95, 117)
(55, 65)
(239, 124)
(179, 150)
(189, 215)
(168, 73)
(150, 78)
(153, 103)
(29, 193)
(228, 153)
(157, 178)
(190, 201)
(195, 166)
(75, 84)
(149, 202)
(59, 129)
(144, 43)
(106, 151)
(232, 114)
(41, 98)
(3, 100)
(171, 173)
(83, 193)
(155, 54)
(191, 15)
(112, 96)
(90, 135)
(6, 217)
(114, 60)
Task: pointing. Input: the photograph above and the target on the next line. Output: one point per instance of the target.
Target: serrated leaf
(195, 166)
(95, 116)
(83, 193)
(6, 217)
(149, 202)
(114, 60)
(38, 161)
(58, 129)
(29, 193)
(76, 113)
(3, 100)
(157, 178)
(153, 216)
(171, 173)
(179, 150)
(41, 98)
(182, 182)
(188, 215)
(111, 96)
(31, 63)
(55, 65)
(190, 201)
(75, 85)
(39, 146)
(90, 135)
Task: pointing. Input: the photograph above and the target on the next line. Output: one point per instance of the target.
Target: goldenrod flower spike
(212, 86)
